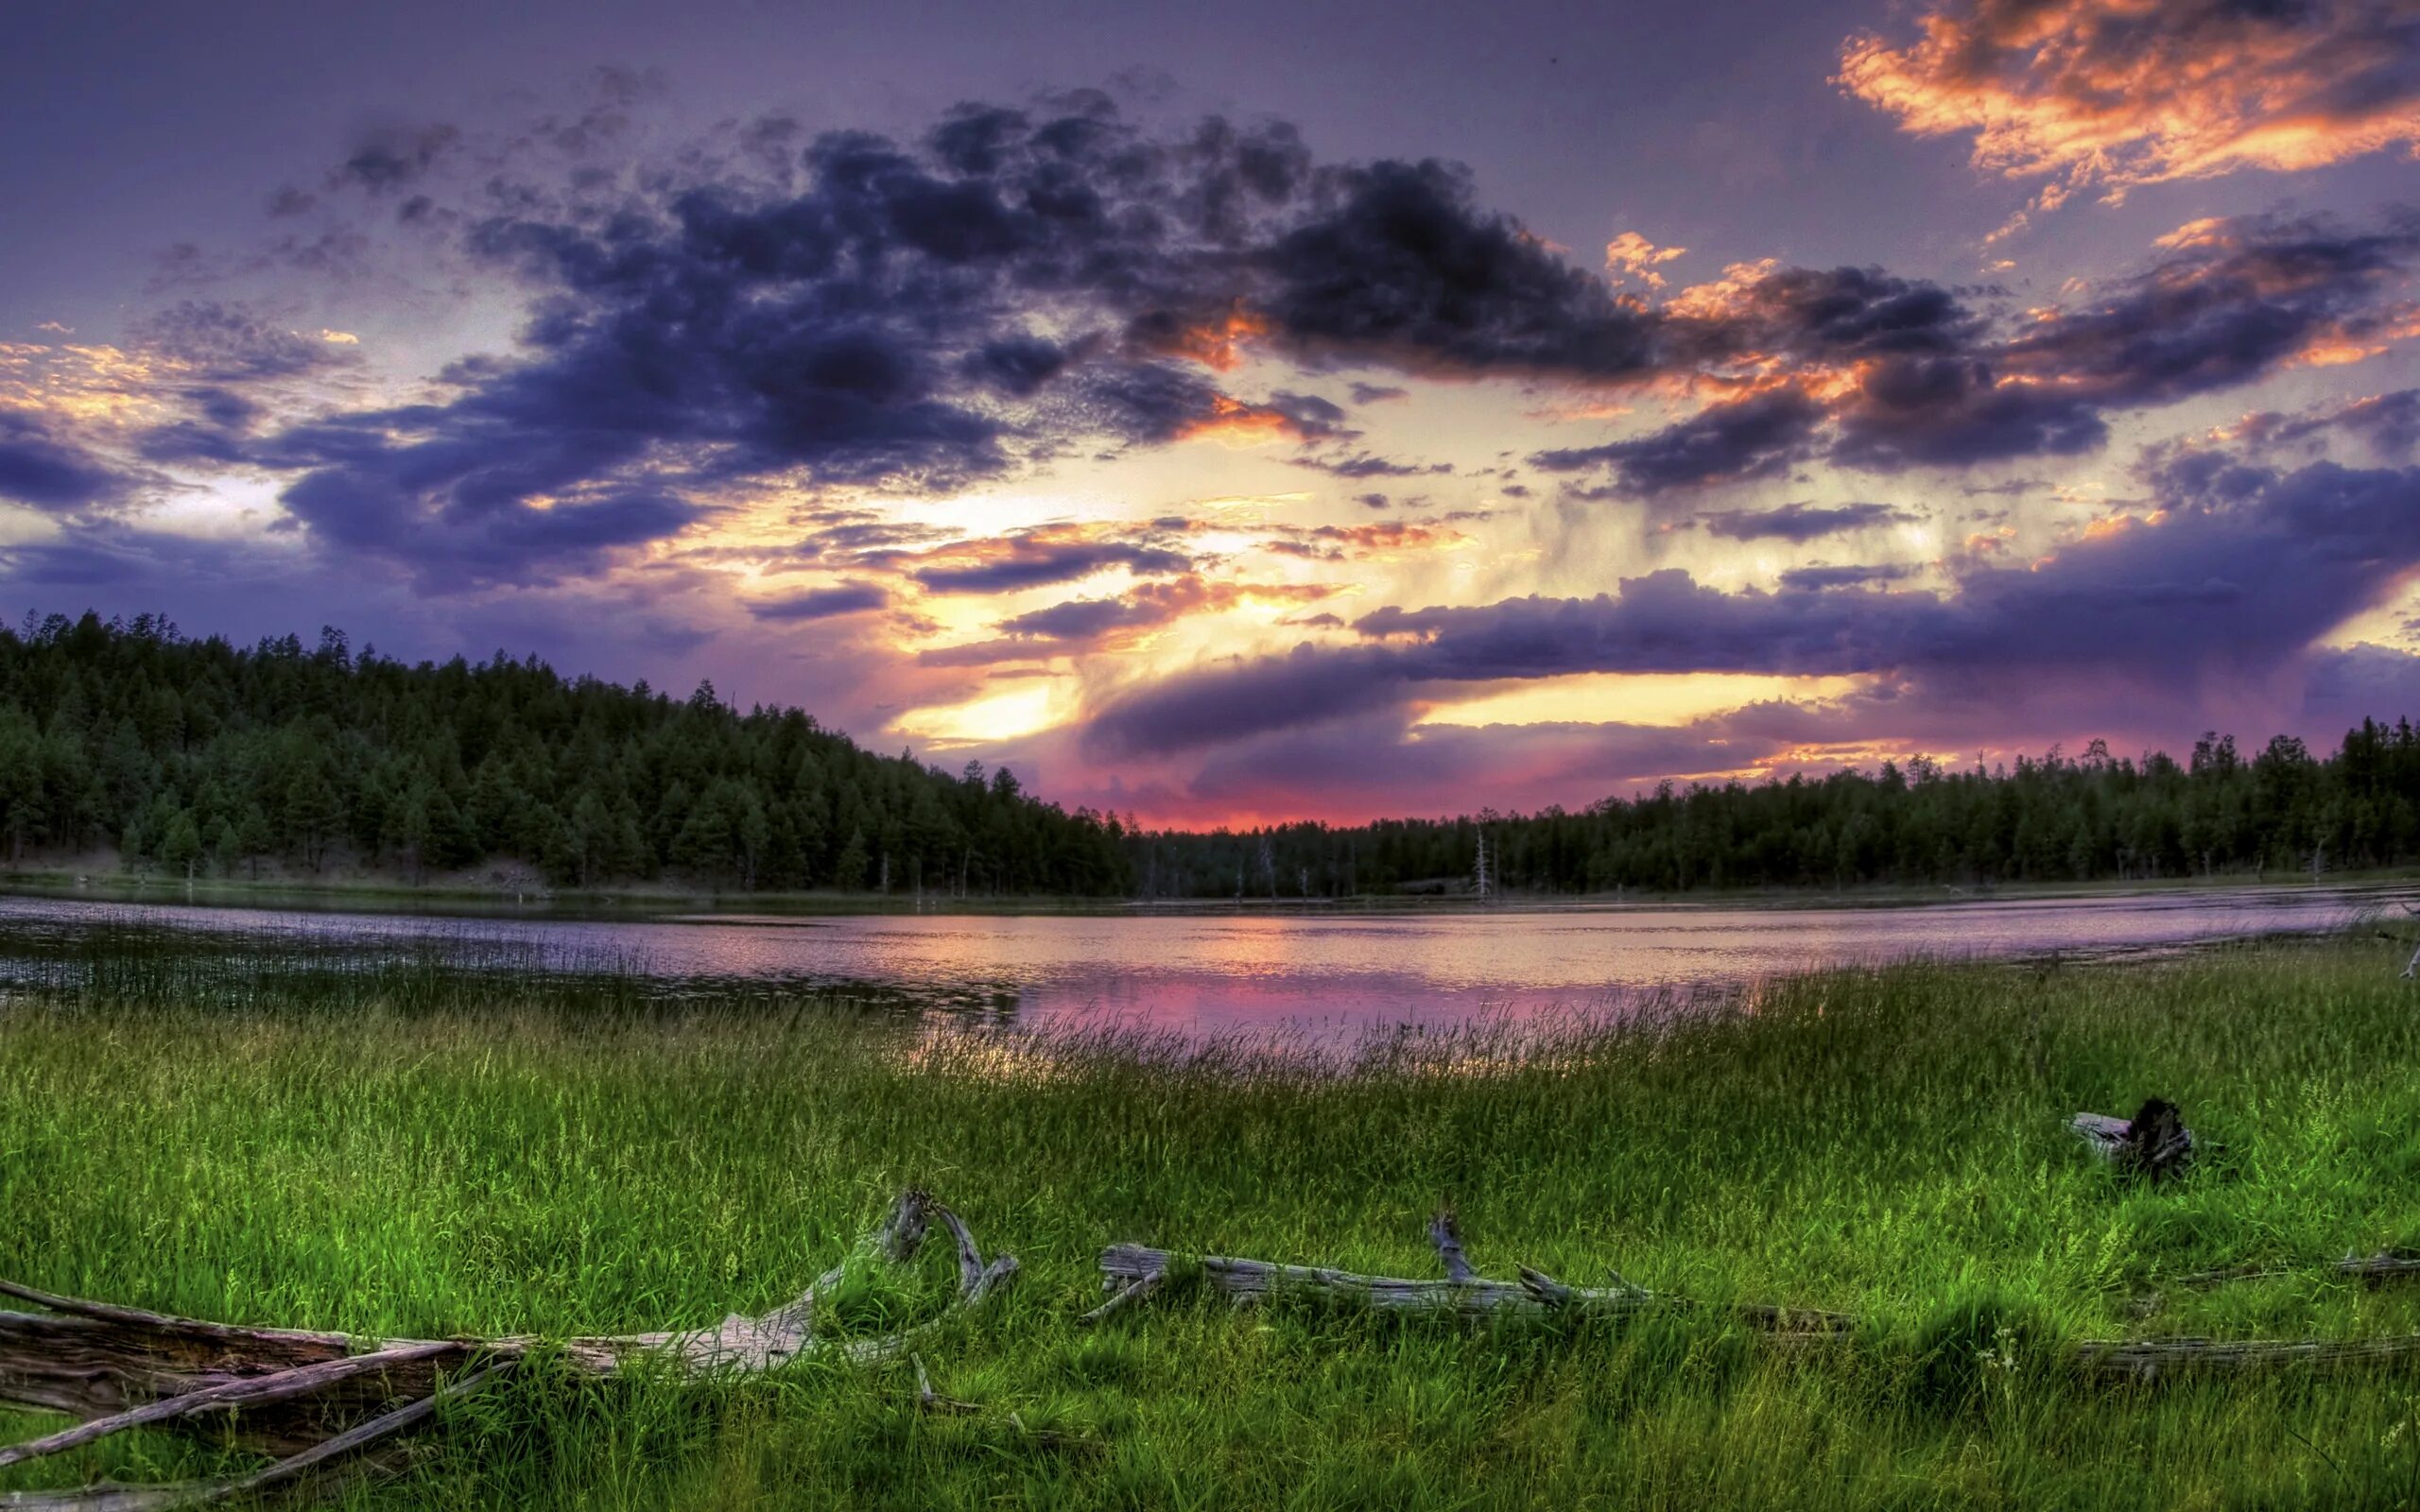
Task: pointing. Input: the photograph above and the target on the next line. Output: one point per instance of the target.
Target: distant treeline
(2056, 819)
(202, 759)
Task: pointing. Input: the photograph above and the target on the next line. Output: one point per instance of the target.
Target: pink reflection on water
(1330, 974)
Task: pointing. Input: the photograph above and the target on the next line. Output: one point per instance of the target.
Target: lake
(1329, 975)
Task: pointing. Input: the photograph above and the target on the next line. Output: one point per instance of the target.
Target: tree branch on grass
(1131, 1272)
(290, 1392)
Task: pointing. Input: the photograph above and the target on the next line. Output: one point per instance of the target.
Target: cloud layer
(2113, 96)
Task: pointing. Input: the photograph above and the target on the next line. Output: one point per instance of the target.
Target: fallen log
(314, 1398)
(2147, 1359)
(2154, 1145)
(1131, 1273)
(333, 1452)
(2386, 1265)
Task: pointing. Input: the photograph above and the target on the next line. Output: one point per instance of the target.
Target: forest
(195, 757)
(2042, 819)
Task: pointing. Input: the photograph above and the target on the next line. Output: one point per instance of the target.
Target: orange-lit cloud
(2112, 94)
(1631, 256)
(1237, 423)
(1217, 344)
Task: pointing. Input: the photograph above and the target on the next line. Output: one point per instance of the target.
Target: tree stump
(2153, 1145)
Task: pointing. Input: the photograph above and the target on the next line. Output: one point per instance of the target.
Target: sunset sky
(1251, 411)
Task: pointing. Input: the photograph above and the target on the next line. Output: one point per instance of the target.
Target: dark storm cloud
(1751, 437)
(1371, 464)
(1399, 264)
(2357, 683)
(1020, 285)
(135, 561)
(1082, 619)
(925, 316)
(1933, 383)
(369, 497)
(1830, 315)
(2232, 301)
(1802, 523)
(1291, 768)
(2388, 424)
(1017, 366)
(1030, 563)
(47, 471)
(1312, 417)
(2246, 570)
(1819, 577)
(1139, 403)
(1950, 412)
(821, 603)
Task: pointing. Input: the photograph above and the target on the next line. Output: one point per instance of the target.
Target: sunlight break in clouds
(1202, 473)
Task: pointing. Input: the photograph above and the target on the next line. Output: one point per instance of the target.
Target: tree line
(2048, 819)
(198, 758)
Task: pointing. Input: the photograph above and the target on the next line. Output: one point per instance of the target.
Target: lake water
(1331, 975)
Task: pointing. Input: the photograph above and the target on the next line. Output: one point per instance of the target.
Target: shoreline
(675, 905)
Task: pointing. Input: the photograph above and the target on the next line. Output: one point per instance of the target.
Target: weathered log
(2147, 1359)
(2386, 1265)
(292, 1392)
(2154, 1145)
(251, 1391)
(2376, 1269)
(1131, 1272)
(329, 1452)
(1448, 1239)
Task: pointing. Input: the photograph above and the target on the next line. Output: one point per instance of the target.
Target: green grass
(410, 1149)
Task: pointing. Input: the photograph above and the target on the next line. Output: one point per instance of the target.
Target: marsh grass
(410, 1147)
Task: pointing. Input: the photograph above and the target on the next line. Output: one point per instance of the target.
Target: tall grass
(410, 1148)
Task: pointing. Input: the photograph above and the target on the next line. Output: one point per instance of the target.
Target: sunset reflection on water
(1325, 976)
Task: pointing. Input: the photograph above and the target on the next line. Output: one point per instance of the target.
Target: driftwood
(2377, 1269)
(1131, 1273)
(2154, 1145)
(317, 1400)
(2147, 1359)
(2386, 1265)
(328, 1406)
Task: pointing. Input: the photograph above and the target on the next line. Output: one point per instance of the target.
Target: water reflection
(1330, 975)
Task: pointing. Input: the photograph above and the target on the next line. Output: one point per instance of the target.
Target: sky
(1231, 414)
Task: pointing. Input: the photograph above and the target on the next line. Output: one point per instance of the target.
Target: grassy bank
(405, 1150)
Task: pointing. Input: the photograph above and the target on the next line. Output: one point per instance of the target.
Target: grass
(409, 1148)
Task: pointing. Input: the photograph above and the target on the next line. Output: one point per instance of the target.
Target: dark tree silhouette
(194, 755)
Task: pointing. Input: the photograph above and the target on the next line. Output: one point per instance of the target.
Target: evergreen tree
(181, 844)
